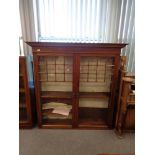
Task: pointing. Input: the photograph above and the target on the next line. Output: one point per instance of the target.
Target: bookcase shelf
(81, 75)
(94, 95)
(22, 90)
(22, 105)
(92, 123)
(125, 114)
(56, 94)
(21, 75)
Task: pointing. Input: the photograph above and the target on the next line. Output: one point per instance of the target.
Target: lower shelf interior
(22, 114)
(92, 116)
(57, 122)
(49, 114)
(92, 122)
(91, 112)
(57, 113)
(87, 116)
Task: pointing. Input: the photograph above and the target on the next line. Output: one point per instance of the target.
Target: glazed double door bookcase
(75, 84)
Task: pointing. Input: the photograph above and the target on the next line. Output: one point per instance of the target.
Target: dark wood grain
(125, 118)
(54, 94)
(26, 97)
(94, 95)
(73, 45)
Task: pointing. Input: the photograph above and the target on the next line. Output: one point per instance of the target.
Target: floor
(73, 142)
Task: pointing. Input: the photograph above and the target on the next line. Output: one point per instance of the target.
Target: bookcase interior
(55, 76)
(95, 87)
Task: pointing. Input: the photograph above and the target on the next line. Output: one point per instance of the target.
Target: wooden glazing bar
(96, 70)
(64, 70)
(105, 73)
(46, 69)
(55, 68)
(88, 71)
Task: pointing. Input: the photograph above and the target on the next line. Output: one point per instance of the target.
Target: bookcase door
(23, 112)
(96, 75)
(55, 76)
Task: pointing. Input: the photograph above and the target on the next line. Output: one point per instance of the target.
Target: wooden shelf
(21, 90)
(27, 111)
(21, 75)
(56, 123)
(22, 114)
(59, 117)
(54, 94)
(132, 94)
(92, 123)
(22, 105)
(131, 102)
(94, 94)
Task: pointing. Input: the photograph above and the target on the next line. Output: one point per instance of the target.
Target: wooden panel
(53, 94)
(92, 118)
(94, 113)
(62, 46)
(125, 118)
(129, 123)
(26, 97)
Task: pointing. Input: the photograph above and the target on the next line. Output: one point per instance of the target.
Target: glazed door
(55, 81)
(95, 87)
(24, 98)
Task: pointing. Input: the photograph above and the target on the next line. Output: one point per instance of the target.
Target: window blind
(94, 21)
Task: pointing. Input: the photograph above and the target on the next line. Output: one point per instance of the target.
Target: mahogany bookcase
(81, 77)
